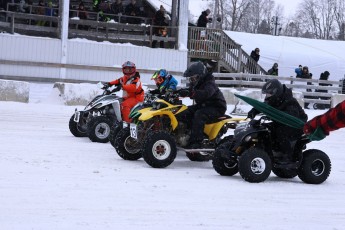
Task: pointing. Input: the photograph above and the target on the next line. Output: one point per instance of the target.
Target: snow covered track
(50, 179)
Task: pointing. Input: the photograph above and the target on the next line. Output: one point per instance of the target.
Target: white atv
(98, 116)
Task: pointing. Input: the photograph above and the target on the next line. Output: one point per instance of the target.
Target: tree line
(317, 19)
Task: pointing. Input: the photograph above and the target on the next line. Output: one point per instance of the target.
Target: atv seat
(217, 119)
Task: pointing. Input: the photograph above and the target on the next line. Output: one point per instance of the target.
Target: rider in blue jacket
(165, 82)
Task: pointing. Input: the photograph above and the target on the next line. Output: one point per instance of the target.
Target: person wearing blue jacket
(165, 82)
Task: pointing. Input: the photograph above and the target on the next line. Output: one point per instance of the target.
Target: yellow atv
(159, 133)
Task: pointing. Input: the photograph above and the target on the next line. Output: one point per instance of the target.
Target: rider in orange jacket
(132, 88)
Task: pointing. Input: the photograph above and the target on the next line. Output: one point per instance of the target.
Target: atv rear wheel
(159, 149)
(315, 167)
(222, 162)
(76, 129)
(127, 148)
(254, 165)
(98, 129)
(114, 131)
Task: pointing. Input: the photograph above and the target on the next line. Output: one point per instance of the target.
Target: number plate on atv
(76, 116)
(133, 130)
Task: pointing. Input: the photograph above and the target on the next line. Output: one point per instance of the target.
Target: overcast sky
(290, 6)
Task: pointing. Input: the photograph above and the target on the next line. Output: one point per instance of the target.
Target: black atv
(253, 154)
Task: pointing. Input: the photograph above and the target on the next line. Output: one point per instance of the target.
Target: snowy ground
(50, 179)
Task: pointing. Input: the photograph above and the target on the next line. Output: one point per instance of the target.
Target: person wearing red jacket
(331, 120)
(132, 88)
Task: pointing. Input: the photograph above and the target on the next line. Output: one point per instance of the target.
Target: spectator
(273, 70)
(323, 76)
(117, 9)
(281, 98)
(255, 54)
(204, 19)
(49, 9)
(133, 10)
(251, 66)
(306, 75)
(102, 7)
(298, 71)
(41, 11)
(22, 8)
(160, 21)
(209, 101)
(83, 15)
(132, 88)
(320, 126)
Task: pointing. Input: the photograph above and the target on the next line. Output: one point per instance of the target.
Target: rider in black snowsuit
(209, 101)
(281, 98)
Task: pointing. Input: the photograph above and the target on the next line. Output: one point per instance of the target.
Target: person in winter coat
(132, 9)
(209, 101)
(117, 8)
(255, 54)
(204, 19)
(132, 88)
(298, 71)
(281, 98)
(160, 22)
(165, 82)
(273, 70)
(332, 120)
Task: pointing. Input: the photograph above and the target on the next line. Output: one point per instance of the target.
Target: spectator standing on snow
(298, 71)
(273, 70)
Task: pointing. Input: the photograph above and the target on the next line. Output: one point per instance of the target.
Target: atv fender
(149, 114)
(213, 129)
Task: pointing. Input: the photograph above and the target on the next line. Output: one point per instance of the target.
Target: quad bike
(148, 100)
(253, 154)
(98, 116)
(159, 133)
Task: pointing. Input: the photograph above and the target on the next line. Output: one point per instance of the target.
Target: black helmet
(273, 90)
(195, 72)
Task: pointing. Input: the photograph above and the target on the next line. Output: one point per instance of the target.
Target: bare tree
(318, 18)
(339, 13)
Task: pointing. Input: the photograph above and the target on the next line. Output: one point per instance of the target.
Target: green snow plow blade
(281, 117)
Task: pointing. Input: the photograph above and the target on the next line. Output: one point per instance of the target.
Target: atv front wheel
(222, 162)
(76, 129)
(159, 149)
(315, 167)
(98, 129)
(254, 165)
(127, 148)
(114, 131)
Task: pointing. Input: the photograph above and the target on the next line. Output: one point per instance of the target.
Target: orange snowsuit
(132, 93)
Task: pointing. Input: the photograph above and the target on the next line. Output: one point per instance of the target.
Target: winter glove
(154, 91)
(183, 92)
(252, 113)
(106, 85)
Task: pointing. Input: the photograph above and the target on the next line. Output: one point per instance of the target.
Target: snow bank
(75, 93)
(14, 91)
